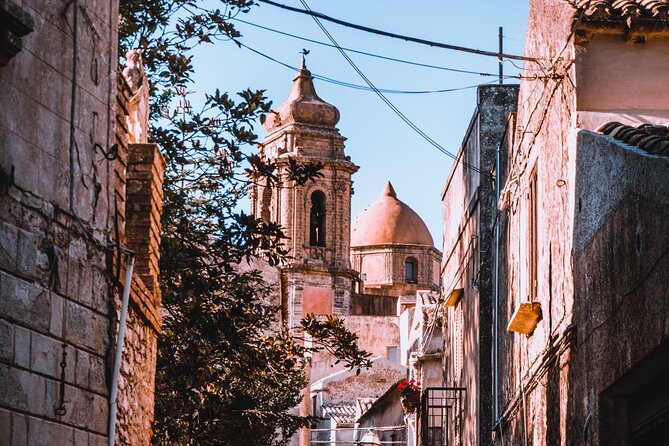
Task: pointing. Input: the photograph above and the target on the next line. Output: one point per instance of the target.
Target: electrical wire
(318, 15)
(378, 56)
(390, 104)
(351, 85)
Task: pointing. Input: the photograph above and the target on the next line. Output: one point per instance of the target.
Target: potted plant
(409, 395)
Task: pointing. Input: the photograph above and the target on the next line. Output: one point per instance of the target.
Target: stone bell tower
(315, 216)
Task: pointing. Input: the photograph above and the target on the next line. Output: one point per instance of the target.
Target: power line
(351, 85)
(388, 103)
(318, 15)
(378, 56)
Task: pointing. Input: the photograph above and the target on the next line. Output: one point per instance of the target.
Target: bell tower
(316, 216)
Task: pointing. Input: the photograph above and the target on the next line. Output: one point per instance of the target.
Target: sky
(385, 148)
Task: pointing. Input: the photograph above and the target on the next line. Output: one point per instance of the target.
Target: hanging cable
(390, 104)
(318, 15)
(351, 85)
(378, 56)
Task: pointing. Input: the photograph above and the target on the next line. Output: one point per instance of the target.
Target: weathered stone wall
(60, 282)
(54, 288)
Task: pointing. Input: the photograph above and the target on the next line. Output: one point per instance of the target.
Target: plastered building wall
(547, 394)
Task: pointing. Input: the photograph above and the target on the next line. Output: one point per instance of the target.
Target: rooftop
(389, 221)
(340, 413)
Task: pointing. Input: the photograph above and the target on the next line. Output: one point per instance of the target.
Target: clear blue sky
(378, 141)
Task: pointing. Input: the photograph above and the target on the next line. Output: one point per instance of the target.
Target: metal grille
(441, 416)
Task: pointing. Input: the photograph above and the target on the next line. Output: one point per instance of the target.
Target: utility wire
(351, 85)
(318, 15)
(378, 56)
(388, 103)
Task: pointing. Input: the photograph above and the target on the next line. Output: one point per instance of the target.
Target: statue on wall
(138, 105)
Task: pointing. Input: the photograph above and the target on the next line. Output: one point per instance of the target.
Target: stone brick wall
(60, 282)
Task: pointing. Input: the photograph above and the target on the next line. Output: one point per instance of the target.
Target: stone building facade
(469, 210)
(579, 328)
(79, 192)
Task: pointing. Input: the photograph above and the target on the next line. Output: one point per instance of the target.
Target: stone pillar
(143, 209)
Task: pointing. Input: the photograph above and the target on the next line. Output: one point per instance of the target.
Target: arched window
(317, 219)
(410, 270)
(265, 202)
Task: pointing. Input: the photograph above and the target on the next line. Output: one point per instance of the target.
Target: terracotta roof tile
(365, 404)
(624, 9)
(340, 413)
(653, 139)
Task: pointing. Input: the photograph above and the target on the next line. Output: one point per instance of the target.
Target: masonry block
(24, 301)
(85, 328)
(80, 438)
(22, 347)
(44, 355)
(46, 433)
(6, 341)
(9, 238)
(83, 367)
(98, 375)
(5, 426)
(56, 317)
(21, 390)
(86, 410)
(27, 253)
(19, 430)
(96, 440)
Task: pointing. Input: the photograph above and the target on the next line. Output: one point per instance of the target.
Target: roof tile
(623, 9)
(653, 139)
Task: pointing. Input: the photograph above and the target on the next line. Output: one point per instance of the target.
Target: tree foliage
(228, 372)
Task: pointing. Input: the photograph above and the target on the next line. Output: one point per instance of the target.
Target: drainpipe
(119, 348)
(496, 290)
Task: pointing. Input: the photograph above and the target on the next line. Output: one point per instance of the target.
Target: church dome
(389, 221)
(303, 106)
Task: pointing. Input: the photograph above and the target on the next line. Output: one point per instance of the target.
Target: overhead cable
(401, 115)
(351, 85)
(318, 15)
(378, 56)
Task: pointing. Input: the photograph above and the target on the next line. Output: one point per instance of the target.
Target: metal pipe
(119, 348)
(501, 55)
(73, 97)
(496, 290)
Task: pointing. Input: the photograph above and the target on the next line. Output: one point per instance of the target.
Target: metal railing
(357, 431)
(441, 416)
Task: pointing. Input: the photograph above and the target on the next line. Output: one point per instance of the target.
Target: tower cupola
(303, 105)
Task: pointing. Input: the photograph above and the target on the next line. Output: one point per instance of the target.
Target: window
(533, 257)
(317, 219)
(410, 270)
(391, 353)
(266, 201)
